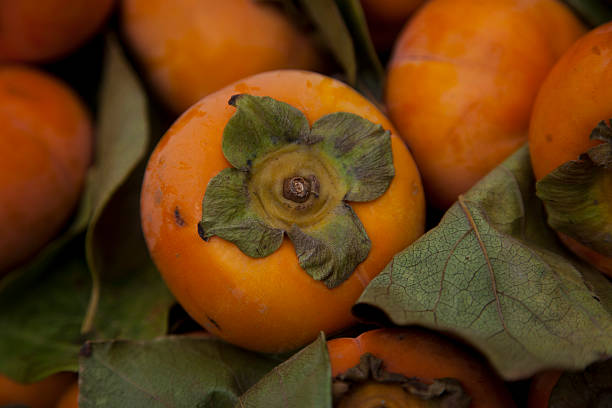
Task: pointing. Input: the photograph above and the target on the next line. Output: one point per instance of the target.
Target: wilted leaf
(128, 299)
(173, 371)
(492, 273)
(304, 380)
(589, 388)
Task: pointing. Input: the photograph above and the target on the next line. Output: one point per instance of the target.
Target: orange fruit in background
(267, 304)
(462, 80)
(41, 394)
(426, 355)
(42, 30)
(541, 388)
(573, 99)
(190, 48)
(386, 18)
(45, 143)
(70, 398)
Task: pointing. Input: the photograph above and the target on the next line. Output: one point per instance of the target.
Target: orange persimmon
(270, 303)
(462, 80)
(42, 30)
(70, 398)
(541, 387)
(573, 99)
(42, 394)
(46, 144)
(422, 354)
(190, 48)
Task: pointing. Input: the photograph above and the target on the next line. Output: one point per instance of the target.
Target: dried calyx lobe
(289, 178)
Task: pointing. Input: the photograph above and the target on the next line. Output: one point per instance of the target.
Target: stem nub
(298, 188)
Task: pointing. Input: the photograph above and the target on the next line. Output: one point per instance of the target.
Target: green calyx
(578, 195)
(289, 178)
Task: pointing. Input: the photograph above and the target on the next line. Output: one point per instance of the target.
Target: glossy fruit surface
(46, 147)
(190, 48)
(571, 102)
(462, 81)
(425, 355)
(42, 30)
(266, 304)
(41, 394)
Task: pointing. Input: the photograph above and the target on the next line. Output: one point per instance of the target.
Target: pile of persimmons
(294, 203)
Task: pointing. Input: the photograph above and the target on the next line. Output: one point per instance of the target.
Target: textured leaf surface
(167, 372)
(492, 273)
(330, 252)
(226, 213)
(129, 298)
(41, 311)
(360, 149)
(259, 126)
(304, 380)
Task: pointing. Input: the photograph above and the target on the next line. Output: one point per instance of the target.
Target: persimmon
(397, 367)
(42, 394)
(541, 387)
(46, 147)
(190, 48)
(462, 80)
(70, 397)
(571, 103)
(43, 30)
(282, 181)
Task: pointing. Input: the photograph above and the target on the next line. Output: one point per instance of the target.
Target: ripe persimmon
(42, 394)
(46, 147)
(266, 301)
(70, 397)
(190, 48)
(462, 80)
(541, 387)
(42, 30)
(571, 103)
(398, 366)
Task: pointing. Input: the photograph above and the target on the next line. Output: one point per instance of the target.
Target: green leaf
(589, 388)
(330, 251)
(41, 310)
(360, 149)
(226, 213)
(370, 72)
(259, 126)
(304, 380)
(168, 371)
(576, 195)
(129, 298)
(330, 25)
(594, 12)
(492, 274)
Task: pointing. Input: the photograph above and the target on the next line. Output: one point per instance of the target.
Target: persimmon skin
(70, 398)
(41, 394)
(462, 80)
(43, 30)
(541, 388)
(46, 147)
(573, 99)
(268, 304)
(418, 353)
(190, 48)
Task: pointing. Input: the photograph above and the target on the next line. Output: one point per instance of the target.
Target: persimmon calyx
(289, 178)
(368, 385)
(578, 195)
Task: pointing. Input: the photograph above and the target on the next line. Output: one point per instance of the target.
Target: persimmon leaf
(492, 273)
(589, 388)
(304, 380)
(176, 371)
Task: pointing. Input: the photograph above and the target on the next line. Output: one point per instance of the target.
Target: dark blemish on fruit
(596, 50)
(213, 322)
(178, 218)
(201, 233)
(549, 137)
